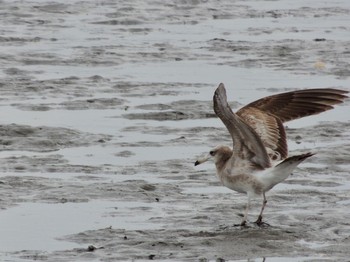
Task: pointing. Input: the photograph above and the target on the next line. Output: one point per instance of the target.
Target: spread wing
(246, 142)
(267, 115)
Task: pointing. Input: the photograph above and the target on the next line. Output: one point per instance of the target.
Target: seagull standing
(259, 158)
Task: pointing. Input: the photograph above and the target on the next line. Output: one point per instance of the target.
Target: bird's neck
(222, 161)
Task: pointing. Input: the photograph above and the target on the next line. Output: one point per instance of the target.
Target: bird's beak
(202, 160)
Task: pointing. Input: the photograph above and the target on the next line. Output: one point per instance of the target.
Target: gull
(259, 158)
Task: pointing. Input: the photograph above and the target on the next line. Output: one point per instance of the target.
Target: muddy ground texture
(65, 94)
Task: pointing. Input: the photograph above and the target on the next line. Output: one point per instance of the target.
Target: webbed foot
(260, 223)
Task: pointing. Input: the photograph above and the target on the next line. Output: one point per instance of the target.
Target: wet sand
(105, 106)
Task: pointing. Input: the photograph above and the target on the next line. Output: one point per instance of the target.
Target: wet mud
(105, 106)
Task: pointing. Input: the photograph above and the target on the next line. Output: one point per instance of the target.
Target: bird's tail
(282, 170)
(294, 160)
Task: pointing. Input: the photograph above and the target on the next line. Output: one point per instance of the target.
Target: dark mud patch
(67, 87)
(170, 244)
(125, 153)
(180, 136)
(298, 56)
(153, 89)
(52, 163)
(326, 130)
(161, 116)
(57, 190)
(93, 103)
(178, 110)
(175, 244)
(45, 139)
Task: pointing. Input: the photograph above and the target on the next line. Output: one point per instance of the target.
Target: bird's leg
(259, 220)
(244, 220)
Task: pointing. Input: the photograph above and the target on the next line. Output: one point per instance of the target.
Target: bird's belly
(243, 184)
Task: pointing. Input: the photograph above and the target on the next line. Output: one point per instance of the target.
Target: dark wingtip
(220, 88)
(221, 85)
(297, 158)
(306, 155)
(303, 156)
(219, 96)
(196, 163)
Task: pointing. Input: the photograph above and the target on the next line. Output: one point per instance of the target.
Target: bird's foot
(259, 220)
(242, 225)
(260, 223)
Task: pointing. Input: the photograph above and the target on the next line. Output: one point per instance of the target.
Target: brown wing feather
(270, 129)
(246, 142)
(267, 115)
(296, 104)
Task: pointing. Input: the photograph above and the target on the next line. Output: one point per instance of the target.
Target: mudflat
(105, 106)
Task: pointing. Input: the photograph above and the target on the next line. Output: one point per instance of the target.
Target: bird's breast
(242, 183)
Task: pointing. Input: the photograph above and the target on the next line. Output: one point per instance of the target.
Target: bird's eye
(212, 153)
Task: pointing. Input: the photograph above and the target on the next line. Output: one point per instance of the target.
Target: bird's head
(220, 154)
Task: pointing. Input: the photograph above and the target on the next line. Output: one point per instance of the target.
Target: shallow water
(106, 105)
(40, 224)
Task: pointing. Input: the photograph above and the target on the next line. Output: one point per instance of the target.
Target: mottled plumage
(267, 115)
(258, 160)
